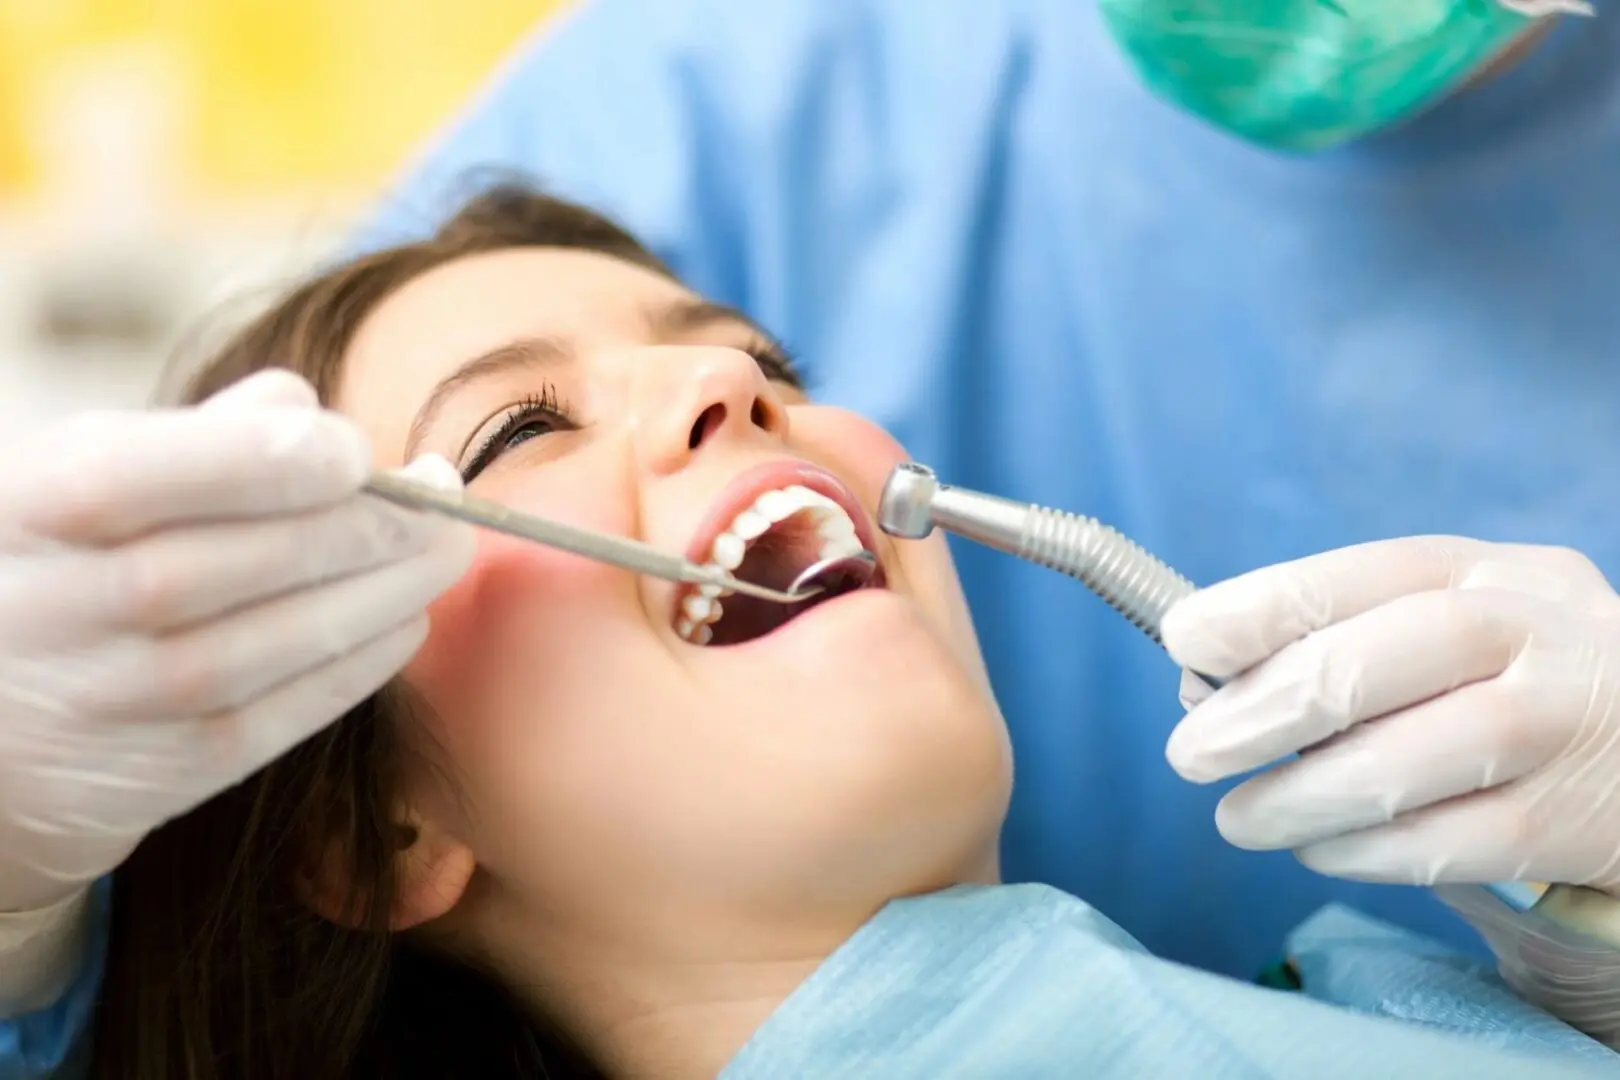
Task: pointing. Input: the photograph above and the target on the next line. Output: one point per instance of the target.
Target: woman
(602, 825)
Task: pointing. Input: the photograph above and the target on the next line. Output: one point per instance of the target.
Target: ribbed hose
(1116, 568)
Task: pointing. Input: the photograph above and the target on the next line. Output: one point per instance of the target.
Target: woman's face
(591, 754)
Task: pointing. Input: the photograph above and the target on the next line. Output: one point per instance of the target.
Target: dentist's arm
(1455, 708)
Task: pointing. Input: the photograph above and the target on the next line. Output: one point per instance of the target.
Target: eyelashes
(775, 362)
(533, 417)
(538, 415)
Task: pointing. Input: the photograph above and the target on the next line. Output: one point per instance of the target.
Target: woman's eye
(527, 430)
(529, 421)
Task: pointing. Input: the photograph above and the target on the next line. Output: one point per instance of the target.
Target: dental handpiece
(1130, 579)
(1135, 583)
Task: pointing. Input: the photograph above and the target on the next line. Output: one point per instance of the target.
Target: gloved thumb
(273, 388)
(1194, 691)
(433, 471)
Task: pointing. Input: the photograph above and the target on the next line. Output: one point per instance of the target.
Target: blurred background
(159, 157)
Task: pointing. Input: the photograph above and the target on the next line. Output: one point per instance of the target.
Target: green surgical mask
(1306, 75)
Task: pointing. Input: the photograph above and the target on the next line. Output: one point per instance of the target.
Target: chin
(915, 767)
(884, 696)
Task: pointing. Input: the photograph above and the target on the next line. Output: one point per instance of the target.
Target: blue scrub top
(973, 224)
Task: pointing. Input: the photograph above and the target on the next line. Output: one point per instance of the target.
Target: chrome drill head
(907, 507)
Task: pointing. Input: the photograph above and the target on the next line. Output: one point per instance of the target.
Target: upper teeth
(701, 609)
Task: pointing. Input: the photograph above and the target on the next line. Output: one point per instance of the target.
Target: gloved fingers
(1413, 648)
(1194, 691)
(1569, 974)
(276, 387)
(40, 868)
(186, 762)
(237, 743)
(101, 478)
(1485, 912)
(1230, 627)
(1476, 738)
(1495, 835)
(227, 663)
(1528, 941)
(180, 577)
(434, 471)
(1555, 574)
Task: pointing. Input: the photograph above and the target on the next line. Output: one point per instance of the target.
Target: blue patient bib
(1027, 982)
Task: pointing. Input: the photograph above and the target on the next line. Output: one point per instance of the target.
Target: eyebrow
(675, 320)
(686, 316)
(665, 321)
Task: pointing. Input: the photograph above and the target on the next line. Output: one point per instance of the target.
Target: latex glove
(185, 595)
(1454, 705)
(41, 953)
(1571, 975)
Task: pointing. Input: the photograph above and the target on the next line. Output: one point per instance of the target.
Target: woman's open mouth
(791, 517)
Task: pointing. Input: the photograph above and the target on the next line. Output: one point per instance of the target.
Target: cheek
(467, 622)
(858, 450)
(520, 607)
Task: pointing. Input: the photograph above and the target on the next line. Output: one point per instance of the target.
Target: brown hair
(216, 970)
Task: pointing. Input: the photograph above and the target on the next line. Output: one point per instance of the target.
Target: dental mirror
(816, 577)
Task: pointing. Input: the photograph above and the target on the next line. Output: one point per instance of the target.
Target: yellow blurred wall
(266, 94)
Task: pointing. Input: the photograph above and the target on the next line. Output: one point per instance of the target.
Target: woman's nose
(692, 396)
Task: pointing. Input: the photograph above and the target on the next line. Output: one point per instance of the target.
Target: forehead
(464, 308)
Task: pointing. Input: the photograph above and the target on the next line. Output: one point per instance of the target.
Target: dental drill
(1131, 580)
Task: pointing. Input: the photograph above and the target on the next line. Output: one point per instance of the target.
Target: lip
(750, 484)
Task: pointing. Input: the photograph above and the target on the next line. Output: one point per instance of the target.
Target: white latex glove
(1572, 975)
(1455, 705)
(185, 595)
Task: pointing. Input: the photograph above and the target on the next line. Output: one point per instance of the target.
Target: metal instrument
(620, 551)
(1137, 585)
(857, 569)
(1132, 581)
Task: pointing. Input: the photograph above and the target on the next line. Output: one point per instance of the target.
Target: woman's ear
(432, 870)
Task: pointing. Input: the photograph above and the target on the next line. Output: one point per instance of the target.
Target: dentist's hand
(1455, 706)
(185, 595)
